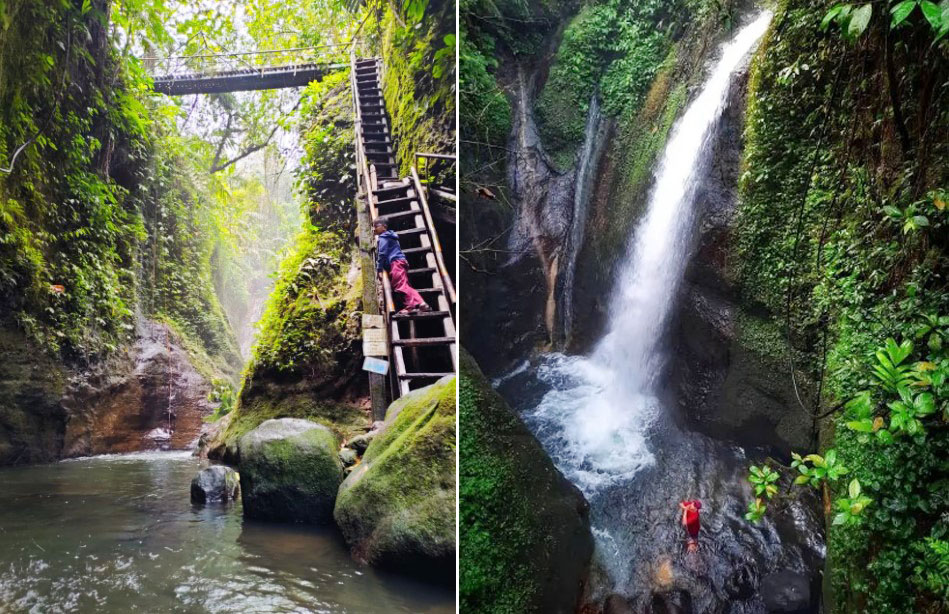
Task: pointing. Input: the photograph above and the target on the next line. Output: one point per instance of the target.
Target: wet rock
(521, 518)
(397, 507)
(32, 419)
(290, 471)
(743, 583)
(150, 397)
(359, 443)
(675, 601)
(348, 457)
(215, 484)
(617, 604)
(786, 592)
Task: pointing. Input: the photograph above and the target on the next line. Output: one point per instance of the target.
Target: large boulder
(786, 592)
(215, 484)
(397, 508)
(525, 529)
(290, 471)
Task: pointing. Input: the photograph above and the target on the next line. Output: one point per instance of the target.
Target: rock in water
(215, 484)
(786, 592)
(397, 508)
(525, 529)
(290, 471)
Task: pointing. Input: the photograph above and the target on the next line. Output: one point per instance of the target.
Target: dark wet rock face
(146, 397)
(290, 471)
(32, 419)
(786, 592)
(215, 484)
(151, 398)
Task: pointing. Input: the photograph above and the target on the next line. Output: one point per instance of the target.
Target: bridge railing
(247, 61)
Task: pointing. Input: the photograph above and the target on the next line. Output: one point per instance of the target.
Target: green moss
(512, 548)
(419, 87)
(289, 471)
(398, 505)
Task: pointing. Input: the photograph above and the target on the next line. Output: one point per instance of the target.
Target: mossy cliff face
(397, 508)
(833, 160)
(525, 533)
(419, 79)
(306, 362)
(97, 220)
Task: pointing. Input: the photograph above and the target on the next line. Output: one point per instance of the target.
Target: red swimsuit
(692, 520)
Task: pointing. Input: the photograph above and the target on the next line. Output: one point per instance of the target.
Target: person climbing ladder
(391, 259)
(690, 520)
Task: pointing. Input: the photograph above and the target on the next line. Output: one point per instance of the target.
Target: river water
(118, 533)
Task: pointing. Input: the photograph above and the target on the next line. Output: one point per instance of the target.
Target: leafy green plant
(815, 468)
(851, 507)
(890, 368)
(764, 479)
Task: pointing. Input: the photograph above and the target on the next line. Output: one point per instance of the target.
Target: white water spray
(593, 421)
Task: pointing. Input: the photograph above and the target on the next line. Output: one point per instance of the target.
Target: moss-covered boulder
(525, 532)
(290, 471)
(397, 508)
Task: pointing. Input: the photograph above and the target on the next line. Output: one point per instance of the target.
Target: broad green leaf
(817, 459)
(836, 11)
(932, 13)
(861, 426)
(901, 11)
(830, 457)
(801, 479)
(854, 488)
(840, 518)
(860, 20)
(925, 404)
(860, 405)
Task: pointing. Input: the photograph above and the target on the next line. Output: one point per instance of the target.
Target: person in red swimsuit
(690, 520)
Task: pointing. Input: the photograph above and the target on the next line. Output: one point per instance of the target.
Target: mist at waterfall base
(600, 419)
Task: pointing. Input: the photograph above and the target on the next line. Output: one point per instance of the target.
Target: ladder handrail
(436, 244)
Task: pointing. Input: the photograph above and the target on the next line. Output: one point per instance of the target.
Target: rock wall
(730, 375)
(150, 398)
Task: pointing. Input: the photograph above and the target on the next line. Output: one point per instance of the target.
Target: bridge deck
(273, 77)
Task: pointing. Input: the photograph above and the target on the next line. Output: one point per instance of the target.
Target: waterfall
(586, 167)
(593, 420)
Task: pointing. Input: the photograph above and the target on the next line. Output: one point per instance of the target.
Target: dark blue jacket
(388, 250)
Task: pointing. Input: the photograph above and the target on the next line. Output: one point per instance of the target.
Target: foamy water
(594, 421)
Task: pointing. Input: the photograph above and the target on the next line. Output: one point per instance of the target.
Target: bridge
(215, 73)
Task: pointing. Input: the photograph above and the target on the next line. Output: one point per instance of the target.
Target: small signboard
(375, 365)
(372, 321)
(374, 342)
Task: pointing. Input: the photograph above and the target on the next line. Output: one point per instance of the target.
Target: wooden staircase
(422, 346)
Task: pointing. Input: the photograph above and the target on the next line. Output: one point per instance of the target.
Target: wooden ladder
(422, 346)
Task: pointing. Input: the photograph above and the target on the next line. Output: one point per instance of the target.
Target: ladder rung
(427, 269)
(421, 315)
(416, 250)
(410, 231)
(390, 190)
(393, 216)
(395, 201)
(424, 375)
(424, 341)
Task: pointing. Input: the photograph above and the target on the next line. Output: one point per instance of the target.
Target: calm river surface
(118, 534)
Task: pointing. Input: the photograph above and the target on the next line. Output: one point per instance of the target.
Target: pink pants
(400, 283)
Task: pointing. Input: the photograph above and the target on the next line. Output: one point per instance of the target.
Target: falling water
(593, 421)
